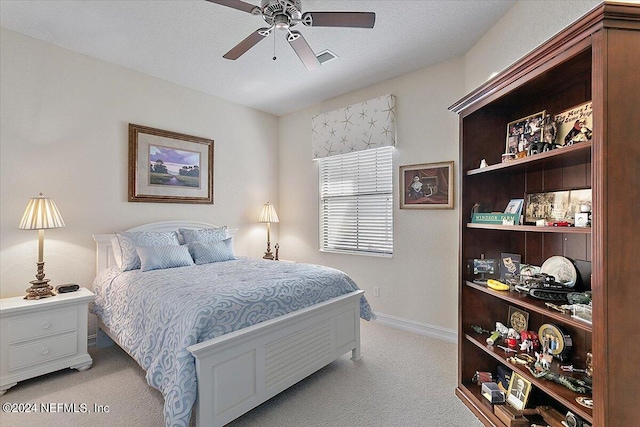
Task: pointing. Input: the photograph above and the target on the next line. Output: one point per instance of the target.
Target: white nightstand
(42, 336)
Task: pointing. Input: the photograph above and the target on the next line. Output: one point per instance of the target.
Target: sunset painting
(172, 167)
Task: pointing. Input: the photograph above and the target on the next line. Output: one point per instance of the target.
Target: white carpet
(404, 379)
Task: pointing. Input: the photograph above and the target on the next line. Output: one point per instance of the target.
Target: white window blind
(356, 202)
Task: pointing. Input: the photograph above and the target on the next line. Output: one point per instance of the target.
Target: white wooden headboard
(104, 254)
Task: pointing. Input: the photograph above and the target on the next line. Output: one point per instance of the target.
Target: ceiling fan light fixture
(281, 22)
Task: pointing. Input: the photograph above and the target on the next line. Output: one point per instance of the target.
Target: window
(356, 202)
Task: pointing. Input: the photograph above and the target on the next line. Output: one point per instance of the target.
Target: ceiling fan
(284, 14)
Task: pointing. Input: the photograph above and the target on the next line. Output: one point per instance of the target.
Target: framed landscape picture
(169, 167)
(426, 186)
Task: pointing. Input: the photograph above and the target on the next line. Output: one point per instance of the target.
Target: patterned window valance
(368, 124)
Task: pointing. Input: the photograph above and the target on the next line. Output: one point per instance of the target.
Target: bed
(223, 337)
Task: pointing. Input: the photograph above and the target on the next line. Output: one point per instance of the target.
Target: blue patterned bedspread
(157, 314)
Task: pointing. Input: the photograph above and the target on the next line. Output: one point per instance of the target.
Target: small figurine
(502, 329)
(277, 247)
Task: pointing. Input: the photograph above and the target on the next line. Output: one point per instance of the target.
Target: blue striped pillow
(159, 257)
(208, 252)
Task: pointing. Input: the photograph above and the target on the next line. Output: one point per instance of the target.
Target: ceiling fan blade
(339, 19)
(238, 50)
(302, 48)
(237, 4)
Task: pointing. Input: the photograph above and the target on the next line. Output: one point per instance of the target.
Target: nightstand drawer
(22, 329)
(21, 356)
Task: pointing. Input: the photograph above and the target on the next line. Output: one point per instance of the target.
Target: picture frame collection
(541, 132)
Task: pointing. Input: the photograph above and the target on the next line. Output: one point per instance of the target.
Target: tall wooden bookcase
(595, 59)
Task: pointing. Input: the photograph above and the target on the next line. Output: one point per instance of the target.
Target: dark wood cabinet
(595, 59)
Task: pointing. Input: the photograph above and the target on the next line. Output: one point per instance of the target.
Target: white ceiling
(183, 42)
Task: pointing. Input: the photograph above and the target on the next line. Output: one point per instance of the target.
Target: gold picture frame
(523, 132)
(518, 392)
(169, 167)
(426, 186)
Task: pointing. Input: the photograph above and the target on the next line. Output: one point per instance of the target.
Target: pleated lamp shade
(41, 214)
(268, 214)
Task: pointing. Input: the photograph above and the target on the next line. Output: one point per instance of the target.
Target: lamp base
(39, 289)
(268, 254)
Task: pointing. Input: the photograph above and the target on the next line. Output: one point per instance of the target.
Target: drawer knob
(46, 325)
(45, 351)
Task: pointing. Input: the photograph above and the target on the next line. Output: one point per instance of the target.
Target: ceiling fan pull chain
(274, 46)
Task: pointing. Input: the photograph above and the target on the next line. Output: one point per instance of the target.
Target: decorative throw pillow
(204, 235)
(124, 245)
(208, 252)
(158, 257)
(117, 252)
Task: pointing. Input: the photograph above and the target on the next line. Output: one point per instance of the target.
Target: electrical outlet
(376, 291)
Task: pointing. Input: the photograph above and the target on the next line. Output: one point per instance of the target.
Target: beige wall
(419, 282)
(524, 27)
(63, 132)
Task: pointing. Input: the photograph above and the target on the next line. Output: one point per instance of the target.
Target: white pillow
(159, 257)
(208, 252)
(124, 245)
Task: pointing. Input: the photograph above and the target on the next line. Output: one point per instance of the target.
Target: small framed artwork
(556, 206)
(426, 186)
(518, 392)
(509, 267)
(575, 124)
(169, 167)
(515, 207)
(524, 132)
(518, 319)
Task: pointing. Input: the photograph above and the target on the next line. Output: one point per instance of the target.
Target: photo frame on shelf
(524, 132)
(515, 207)
(426, 186)
(509, 267)
(574, 125)
(518, 392)
(169, 167)
(555, 206)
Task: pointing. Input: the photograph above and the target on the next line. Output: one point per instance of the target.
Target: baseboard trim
(92, 340)
(417, 327)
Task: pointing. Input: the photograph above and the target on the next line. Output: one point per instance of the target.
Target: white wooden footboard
(239, 371)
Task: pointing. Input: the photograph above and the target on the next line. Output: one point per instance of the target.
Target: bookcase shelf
(574, 153)
(532, 305)
(530, 228)
(595, 59)
(556, 391)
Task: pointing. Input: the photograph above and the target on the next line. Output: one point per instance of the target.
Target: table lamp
(268, 215)
(41, 214)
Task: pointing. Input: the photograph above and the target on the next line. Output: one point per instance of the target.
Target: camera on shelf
(572, 420)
